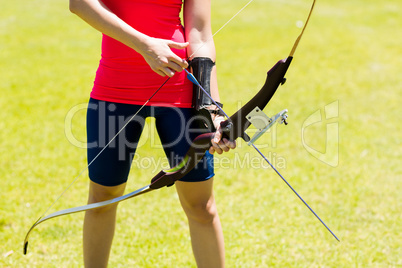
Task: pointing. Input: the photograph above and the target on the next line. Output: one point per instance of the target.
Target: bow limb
(164, 178)
(236, 125)
(64, 212)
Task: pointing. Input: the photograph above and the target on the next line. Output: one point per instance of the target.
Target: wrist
(213, 109)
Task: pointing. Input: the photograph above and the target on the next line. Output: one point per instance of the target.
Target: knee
(99, 193)
(203, 212)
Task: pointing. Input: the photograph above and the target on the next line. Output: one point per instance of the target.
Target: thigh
(110, 156)
(177, 128)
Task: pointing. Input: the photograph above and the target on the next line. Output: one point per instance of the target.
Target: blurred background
(341, 150)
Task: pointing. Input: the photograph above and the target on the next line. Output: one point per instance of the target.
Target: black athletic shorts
(111, 167)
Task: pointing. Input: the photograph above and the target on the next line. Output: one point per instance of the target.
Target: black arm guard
(201, 68)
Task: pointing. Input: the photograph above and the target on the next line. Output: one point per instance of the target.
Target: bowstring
(223, 26)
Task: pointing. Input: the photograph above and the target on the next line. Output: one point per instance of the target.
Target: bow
(233, 128)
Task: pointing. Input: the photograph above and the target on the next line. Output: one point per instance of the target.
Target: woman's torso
(123, 75)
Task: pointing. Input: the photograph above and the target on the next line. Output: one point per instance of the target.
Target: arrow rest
(263, 123)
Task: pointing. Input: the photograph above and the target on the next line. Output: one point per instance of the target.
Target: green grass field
(341, 151)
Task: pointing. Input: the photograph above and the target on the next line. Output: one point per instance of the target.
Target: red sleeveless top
(123, 75)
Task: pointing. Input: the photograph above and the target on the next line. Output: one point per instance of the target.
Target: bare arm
(157, 52)
(197, 25)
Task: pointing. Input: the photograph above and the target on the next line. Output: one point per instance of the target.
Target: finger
(166, 71)
(160, 73)
(175, 67)
(173, 62)
(178, 45)
(216, 147)
(217, 136)
(181, 62)
(229, 143)
(223, 146)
